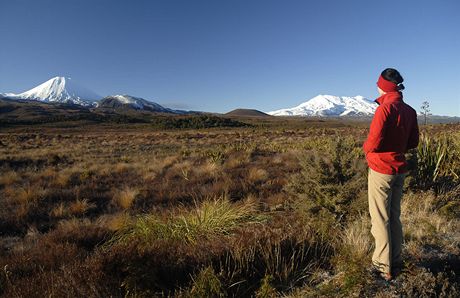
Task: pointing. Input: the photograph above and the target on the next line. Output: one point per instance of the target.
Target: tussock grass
(206, 284)
(357, 237)
(257, 175)
(80, 207)
(423, 222)
(210, 218)
(125, 198)
(114, 222)
(59, 211)
(9, 178)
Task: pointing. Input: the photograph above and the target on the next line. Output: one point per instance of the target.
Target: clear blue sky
(219, 55)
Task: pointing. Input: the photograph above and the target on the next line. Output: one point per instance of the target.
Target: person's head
(390, 80)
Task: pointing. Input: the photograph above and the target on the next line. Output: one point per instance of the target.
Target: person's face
(381, 92)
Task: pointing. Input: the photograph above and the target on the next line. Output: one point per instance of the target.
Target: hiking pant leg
(379, 195)
(395, 222)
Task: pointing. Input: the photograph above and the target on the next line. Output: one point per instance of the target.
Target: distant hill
(435, 119)
(247, 113)
(127, 102)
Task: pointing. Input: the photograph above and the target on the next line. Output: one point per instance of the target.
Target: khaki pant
(385, 192)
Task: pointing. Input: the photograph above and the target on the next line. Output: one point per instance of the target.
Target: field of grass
(275, 208)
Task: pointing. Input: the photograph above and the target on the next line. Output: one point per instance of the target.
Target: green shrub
(329, 181)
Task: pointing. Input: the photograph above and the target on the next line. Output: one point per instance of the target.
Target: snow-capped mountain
(329, 105)
(59, 90)
(131, 102)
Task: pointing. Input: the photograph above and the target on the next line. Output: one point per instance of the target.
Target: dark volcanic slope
(247, 113)
(35, 111)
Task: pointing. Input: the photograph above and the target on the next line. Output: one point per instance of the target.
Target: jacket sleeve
(376, 131)
(413, 136)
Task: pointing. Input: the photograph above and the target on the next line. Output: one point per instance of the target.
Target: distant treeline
(96, 118)
(160, 122)
(195, 122)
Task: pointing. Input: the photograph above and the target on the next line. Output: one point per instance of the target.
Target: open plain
(274, 208)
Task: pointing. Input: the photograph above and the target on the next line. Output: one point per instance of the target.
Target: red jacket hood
(389, 97)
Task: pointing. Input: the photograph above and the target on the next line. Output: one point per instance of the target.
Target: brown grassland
(278, 208)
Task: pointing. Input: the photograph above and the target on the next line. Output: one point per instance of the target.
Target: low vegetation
(274, 208)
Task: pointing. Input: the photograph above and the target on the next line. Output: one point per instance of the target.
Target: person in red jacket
(393, 131)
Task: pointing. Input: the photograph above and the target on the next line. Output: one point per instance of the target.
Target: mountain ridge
(330, 105)
(62, 90)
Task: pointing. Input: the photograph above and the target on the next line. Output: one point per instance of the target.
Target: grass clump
(210, 218)
(125, 198)
(206, 284)
(266, 290)
(421, 220)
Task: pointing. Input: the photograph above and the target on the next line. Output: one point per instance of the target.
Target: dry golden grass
(59, 211)
(257, 175)
(357, 236)
(80, 207)
(63, 177)
(115, 222)
(9, 178)
(424, 225)
(78, 188)
(124, 198)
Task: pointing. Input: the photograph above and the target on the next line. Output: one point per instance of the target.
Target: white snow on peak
(137, 102)
(60, 89)
(329, 105)
(118, 101)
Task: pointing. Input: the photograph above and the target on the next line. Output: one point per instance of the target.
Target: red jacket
(393, 131)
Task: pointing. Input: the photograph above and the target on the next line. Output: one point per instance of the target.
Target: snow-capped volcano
(329, 105)
(59, 90)
(131, 102)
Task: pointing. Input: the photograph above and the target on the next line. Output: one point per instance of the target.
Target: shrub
(329, 181)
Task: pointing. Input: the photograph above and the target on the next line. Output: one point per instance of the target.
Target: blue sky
(219, 55)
